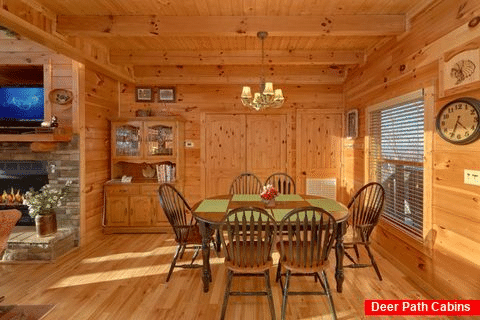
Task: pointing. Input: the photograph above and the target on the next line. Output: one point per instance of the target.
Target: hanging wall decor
(459, 71)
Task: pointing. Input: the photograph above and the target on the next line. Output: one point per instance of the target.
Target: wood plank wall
(451, 264)
(193, 100)
(101, 104)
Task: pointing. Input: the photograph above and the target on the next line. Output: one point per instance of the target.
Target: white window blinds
(396, 161)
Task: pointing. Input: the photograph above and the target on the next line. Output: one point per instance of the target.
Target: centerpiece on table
(42, 204)
(268, 195)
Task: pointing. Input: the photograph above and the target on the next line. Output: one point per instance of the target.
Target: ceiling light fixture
(267, 97)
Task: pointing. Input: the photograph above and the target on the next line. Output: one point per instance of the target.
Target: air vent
(322, 187)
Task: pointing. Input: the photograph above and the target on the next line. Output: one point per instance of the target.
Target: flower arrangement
(46, 199)
(269, 192)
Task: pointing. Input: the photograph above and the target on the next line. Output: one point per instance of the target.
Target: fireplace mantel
(35, 137)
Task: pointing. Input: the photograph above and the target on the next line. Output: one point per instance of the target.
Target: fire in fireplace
(16, 178)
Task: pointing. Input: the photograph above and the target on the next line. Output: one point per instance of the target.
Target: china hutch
(145, 152)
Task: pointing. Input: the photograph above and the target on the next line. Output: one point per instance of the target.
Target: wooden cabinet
(139, 146)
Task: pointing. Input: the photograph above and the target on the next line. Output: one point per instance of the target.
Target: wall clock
(457, 121)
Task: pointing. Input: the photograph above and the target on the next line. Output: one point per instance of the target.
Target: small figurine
(54, 122)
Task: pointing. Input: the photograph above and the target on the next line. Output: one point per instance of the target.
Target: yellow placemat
(213, 205)
(288, 197)
(326, 204)
(246, 197)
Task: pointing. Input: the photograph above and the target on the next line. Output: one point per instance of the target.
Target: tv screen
(21, 104)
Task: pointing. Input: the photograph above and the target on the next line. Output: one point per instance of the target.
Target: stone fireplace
(20, 169)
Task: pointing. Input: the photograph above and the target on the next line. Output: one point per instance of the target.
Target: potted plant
(41, 205)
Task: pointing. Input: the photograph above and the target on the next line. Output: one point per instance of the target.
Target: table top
(213, 209)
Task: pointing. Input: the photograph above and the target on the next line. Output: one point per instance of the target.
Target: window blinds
(396, 161)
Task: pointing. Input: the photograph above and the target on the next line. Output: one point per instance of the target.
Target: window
(396, 153)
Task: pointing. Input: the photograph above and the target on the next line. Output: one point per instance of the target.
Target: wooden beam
(53, 42)
(241, 75)
(334, 25)
(247, 57)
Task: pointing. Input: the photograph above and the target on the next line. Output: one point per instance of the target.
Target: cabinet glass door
(159, 139)
(128, 140)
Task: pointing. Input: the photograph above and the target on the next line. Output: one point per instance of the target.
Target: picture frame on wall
(352, 124)
(143, 94)
(166, 94)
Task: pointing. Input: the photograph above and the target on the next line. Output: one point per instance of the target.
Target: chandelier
(266, 97)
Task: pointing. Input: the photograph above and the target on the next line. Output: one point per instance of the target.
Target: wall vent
(322, 187)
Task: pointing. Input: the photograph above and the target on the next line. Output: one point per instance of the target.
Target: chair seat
(193, 236)
(293, 265)
(248, 252)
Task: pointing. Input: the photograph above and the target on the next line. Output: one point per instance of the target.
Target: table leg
(206, 272)
(339, 252)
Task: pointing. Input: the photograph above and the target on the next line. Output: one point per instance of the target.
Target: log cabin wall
(193, 100)
(101, 104)
(449, 259)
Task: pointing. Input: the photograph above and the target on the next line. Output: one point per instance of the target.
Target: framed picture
(166, 94)
(143, 94)
(352, 124)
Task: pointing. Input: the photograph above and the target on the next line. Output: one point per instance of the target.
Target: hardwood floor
(123, 277)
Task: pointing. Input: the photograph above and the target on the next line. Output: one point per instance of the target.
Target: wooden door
(266, 144)
(116, 211)
(319, 137)
(224, 151)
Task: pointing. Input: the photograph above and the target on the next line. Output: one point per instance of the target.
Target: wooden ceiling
(321, 34)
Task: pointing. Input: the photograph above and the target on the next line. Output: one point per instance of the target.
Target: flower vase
(269, 203)
(46, 223)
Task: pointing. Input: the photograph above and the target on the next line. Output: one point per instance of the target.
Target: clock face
(457, 122)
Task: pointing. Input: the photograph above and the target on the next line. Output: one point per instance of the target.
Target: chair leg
(374, 264)
(174, 261)
(195, 254)
(217, 241)
(227, 294)
(279, 271)
(182, 251)
(329, 295)
(269, 294)
(285, 294)
(355, 247)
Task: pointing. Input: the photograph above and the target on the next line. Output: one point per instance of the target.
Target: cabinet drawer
(149, 190)
(124, 190)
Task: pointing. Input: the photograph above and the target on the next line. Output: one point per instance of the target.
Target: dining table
(211, 211)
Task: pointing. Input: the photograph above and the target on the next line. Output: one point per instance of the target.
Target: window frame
(429, 117)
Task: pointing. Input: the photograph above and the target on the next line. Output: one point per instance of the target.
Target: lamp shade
(246, 92)
(268, 91)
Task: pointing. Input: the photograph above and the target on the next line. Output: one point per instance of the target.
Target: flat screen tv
(21, 105)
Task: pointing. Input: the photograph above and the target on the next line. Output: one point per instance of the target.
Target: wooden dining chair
(365, 208)
(246, 183)
(248, 235)
(185, 227)
(305, 241)
(282, 182)
(8, 220)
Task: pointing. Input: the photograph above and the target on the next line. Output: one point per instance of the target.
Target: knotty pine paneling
(193, 100)
(101, 103)
(402, 65)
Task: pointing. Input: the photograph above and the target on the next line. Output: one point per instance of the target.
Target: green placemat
(278, 214)
(246, 197)
(288, 197)
(326, 204)
(213, 205)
